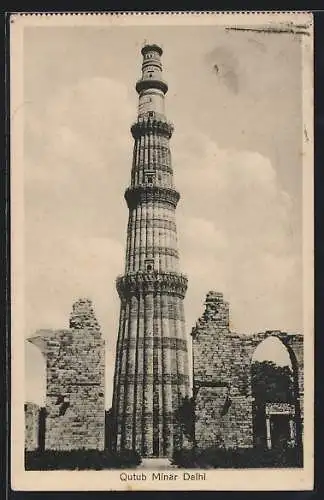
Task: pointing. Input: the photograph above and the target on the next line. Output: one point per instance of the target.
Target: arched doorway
(276, 412)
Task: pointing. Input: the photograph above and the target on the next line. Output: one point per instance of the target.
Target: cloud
(83, 127)
(237, 234)
(77, 164)
(58, 273)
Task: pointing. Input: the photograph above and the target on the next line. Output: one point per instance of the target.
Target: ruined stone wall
(222, 377)
(296, 344)
(222, 393)
(32, 416)
(223, 420)
(75, 410)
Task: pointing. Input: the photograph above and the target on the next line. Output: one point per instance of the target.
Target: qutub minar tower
(151, 372)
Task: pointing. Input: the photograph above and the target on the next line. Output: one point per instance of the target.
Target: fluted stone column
(151, 371)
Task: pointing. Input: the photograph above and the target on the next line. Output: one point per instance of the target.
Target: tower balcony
(151, 125)
(151, 83)
(144, 193)
(144, 282)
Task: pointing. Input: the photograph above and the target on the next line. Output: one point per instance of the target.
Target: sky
(236, 103)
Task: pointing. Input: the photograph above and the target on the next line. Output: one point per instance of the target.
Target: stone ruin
(222, 390)
(222, 394)
(75, 400)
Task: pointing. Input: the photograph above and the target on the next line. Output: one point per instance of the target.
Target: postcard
(162, 251)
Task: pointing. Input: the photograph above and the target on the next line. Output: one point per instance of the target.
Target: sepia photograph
(162, 251)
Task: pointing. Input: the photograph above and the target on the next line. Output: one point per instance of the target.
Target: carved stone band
(144, 193)
(156, 251)
(140, 414)
(152, 167)
(165, 378)
(156, 223)
(141, 282)
(155, 343)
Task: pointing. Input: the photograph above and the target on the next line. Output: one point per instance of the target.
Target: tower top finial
(151, 47)
(151, 70)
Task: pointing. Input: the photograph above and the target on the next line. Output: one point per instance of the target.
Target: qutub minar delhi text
(151, 381)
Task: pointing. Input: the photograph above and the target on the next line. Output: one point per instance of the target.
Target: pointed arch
(292, 344)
